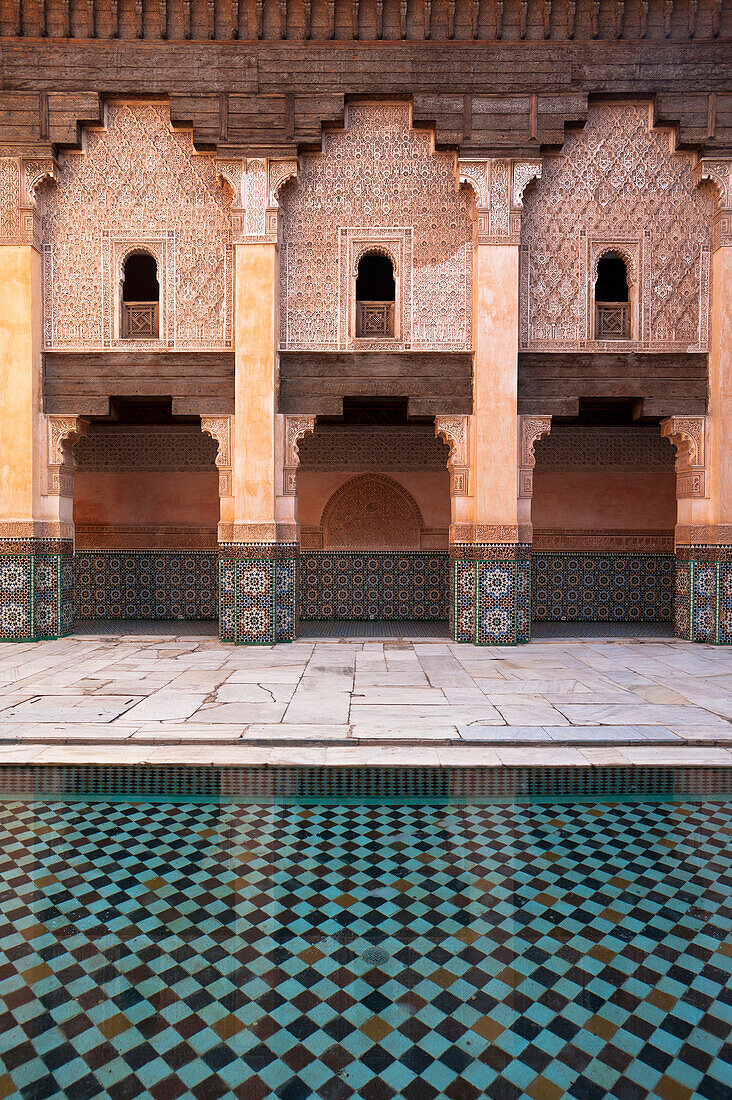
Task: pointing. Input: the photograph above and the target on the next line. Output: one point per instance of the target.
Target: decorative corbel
(499, 19)
(454, 430)
(219, 428)
(687, 435)
(296, 428)
(547, 18)
(62, 434)
(450, 18)
(523, 8)
(668, 10)
(475, 18)
(571, 17)
(619, 17)
(531, 430)
(427, 31)
(379, 18)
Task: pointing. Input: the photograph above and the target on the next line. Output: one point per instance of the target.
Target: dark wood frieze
(435, 383)
(339, 20)
(83, 382)
(659, 384)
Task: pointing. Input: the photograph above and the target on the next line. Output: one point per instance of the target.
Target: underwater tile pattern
(357, 585)
(305, 949)
(612, 587)
(146, 584)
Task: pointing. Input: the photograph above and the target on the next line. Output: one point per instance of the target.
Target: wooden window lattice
(612, 321)
(374, 318)
(139, 320)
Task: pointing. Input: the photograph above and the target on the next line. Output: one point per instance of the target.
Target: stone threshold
(351, 754)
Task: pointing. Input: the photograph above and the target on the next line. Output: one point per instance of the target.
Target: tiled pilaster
(36, 589)
(491, 593)
(703, 596)
(257, 592)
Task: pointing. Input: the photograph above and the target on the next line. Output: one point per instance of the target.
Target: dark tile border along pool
(375, 933)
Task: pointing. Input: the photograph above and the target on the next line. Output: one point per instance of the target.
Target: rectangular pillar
(490, 565)
(36, 532)
(257, 555)
(704, 530)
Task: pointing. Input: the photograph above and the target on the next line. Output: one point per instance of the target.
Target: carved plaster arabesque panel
(19, 180)
(137, 179)
(455, 431)
(719, 173)
(531, 430)
(220, 429)
(62, 432)
(296, 428)
(378, 174)
(688, 436)
(614, 181)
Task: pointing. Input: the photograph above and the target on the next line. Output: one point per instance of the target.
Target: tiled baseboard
(595, 587)
(146, 584)
(350, 584)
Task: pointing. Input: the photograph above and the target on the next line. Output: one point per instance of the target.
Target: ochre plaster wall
(254, 434)
(605, 500)
(494, 442)
(19, 380)
(154, 498)
(431, 491)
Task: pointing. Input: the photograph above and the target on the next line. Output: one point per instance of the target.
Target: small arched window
(140, 298)
(612, 298)
(375, 296)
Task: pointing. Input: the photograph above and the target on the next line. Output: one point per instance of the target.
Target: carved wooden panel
(616, 185)
(380, 184)
(138, 183)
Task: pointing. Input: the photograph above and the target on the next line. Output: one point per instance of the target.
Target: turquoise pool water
(258, 934)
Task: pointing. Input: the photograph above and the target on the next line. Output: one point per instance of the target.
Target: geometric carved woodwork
(688, 436)
(616, 186)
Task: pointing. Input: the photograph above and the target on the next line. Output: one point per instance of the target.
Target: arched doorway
(146, 507)
(603, 514)
(374, 509)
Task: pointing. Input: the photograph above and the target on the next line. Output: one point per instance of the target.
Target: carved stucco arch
(616, 250)
(147, 248)
(219, 428)
(381, 513)
(368, 248)
(63, 433)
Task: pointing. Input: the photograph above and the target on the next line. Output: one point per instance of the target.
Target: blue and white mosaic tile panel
(349, 584)
(146, 584)
(612, 587)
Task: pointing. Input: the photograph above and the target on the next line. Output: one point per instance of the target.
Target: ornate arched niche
(371, 512)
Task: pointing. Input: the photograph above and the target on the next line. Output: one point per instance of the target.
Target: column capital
(296, 428)
(499, 184)
(20, 177)
(256, 183)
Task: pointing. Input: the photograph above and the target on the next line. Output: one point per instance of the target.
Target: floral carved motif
(688, 436)
(454, 430)
(616, 183)
(719, 173)
(219, 428)
(531, 429)
(371, 512)
(377, 181)
(137, 183)
(296, 428)
(62, 433)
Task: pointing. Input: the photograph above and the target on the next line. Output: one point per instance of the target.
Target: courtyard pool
(415, 933)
